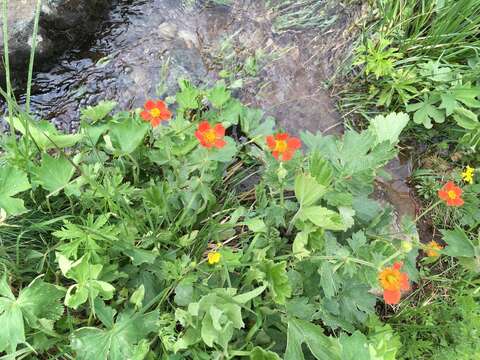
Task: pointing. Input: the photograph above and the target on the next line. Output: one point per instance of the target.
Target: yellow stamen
(210, 136)
(452, 194)
(155, 112)
(390, 279)
(280, 146)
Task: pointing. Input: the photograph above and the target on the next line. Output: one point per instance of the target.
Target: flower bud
(406, 246)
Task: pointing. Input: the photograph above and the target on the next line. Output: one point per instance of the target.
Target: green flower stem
(427, 211)
(32, 57)
(331, 257)
(390, 258)
(292, 221)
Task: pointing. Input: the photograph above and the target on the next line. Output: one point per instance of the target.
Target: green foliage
(53, 174)
(36, 307)
(122, 339)
(443, 328)
(128, 215)
(381, 344)
(378, 57)
(12, 182)
(44, 134)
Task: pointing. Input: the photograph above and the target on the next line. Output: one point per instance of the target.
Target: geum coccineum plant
(158, 242)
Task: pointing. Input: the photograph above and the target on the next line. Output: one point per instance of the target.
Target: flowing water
(144, 46)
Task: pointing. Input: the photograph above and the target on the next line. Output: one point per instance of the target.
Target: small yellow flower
(214, 257)
(467, 174)
(432, 249)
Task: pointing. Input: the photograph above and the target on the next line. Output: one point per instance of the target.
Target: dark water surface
(144, 46)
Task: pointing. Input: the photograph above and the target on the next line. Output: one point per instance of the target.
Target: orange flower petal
(145, 115)
(281, 136)
(271, 142)
(391, 297)
(199, 135)
(455, 202)
(404, 284)
(165, 114)
(220, 143)
(442, 194)
(149, 105)
(155, 122)
(294, 143)
(219, 130)
(398, 265)
(287, 155)
(203, 126)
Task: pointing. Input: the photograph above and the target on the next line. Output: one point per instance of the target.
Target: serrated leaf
(231, 112)
(251, 123)
(327, 280)
(218, 95)
(225, 154)
(45, 135)
(426, 111)
(449, 103)
(219, 315)
(275, 276)
(122, 341)
(466, 119)
(388, 128)
(324, 218)
(321, 169)
(127, 134)
(299, 332)
(260, 354)
(299, 245)
(246, 297)
(12, 182)
(36, 304)
(187, 98)
(354, 347)
(256, 225)
(307, 190)
(467, 94)
(97, 112)
(138, 296)
(458, 243)
(53, 174)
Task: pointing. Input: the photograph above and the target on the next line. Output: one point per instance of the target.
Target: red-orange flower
(451, 194)
(210, 136)
(393, 282)
(155, 112)
(283, 146)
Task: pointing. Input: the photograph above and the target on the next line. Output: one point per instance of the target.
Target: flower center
(280, 146)
(155, 112)
(452, 194)
(210, 136)
(391, 279)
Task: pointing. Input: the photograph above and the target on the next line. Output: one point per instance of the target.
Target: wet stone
(61, 24)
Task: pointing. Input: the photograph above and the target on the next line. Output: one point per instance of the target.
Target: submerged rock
(63, 24)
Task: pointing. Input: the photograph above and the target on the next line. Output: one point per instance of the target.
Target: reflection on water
(127, 61)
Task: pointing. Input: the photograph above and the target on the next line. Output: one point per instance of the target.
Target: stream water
(144, 46)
